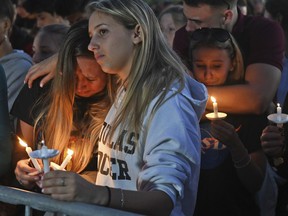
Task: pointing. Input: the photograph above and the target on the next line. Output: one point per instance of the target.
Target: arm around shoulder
(253, 96)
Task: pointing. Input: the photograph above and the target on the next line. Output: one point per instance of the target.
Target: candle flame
(70, 152)
(22, 142)
(278, 104)
(213, 99)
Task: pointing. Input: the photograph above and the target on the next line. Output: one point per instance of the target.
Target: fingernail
(41, 85)
(43, 190)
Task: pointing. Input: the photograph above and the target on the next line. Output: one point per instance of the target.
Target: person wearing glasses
(232, 161)
(262, 45)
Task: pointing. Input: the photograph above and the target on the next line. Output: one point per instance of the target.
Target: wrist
(242, 162)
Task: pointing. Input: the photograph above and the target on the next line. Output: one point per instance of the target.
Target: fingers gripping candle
(29, 150)
(67, 159)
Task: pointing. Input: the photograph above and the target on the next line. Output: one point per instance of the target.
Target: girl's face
(168, 27)
(89, 77)
(45, 18)
(43, 47)
(112, 44)
(211, 65)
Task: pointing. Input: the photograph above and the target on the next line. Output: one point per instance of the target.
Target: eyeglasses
(204, 35)
(218, 34)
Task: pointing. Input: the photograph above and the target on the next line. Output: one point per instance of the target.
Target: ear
(228, 15)
(7, 25)
(137, 34)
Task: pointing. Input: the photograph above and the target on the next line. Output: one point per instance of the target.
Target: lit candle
(215, 107)
(279, 112)
(29, 150)
(279, 109)
(67, 159)
(55, 166)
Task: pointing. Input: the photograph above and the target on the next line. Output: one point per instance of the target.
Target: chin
(84, 95)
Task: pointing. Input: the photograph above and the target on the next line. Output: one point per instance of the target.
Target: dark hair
(214, 3)
(278, 9)
(38, 6)
(55, 29)
(7, 10)
(74, 6)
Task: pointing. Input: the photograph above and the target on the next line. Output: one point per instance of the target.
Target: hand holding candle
(278, 118)
(67, 159)
(29, 150)
(45, 154)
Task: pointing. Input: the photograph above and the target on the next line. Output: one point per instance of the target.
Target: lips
(98, 57)
(209, 83)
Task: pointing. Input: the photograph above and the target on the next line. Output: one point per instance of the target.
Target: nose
(81, 85)
(93, 45)
(208, 73)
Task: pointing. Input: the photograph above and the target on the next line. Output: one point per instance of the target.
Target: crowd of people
(127, 87)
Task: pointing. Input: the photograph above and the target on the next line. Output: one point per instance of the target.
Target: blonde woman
(70, 113)
(149, 145)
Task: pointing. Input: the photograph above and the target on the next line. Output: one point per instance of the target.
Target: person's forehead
(166, 19)
(201, 11)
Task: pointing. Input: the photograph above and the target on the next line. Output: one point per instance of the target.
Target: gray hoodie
(167, 155)
(16, 65)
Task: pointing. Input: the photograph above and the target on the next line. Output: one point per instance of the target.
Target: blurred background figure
(278, 11)
(16, 63)
(48, 41)
(158, 6)
(242, 5)
(256, 7)
(275, 140)
(45, 12)
(75, 12)
(5, 134)
(23, 29)
(171, 19)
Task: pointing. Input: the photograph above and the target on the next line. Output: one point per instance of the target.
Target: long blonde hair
(155, 65)
(57, 119)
